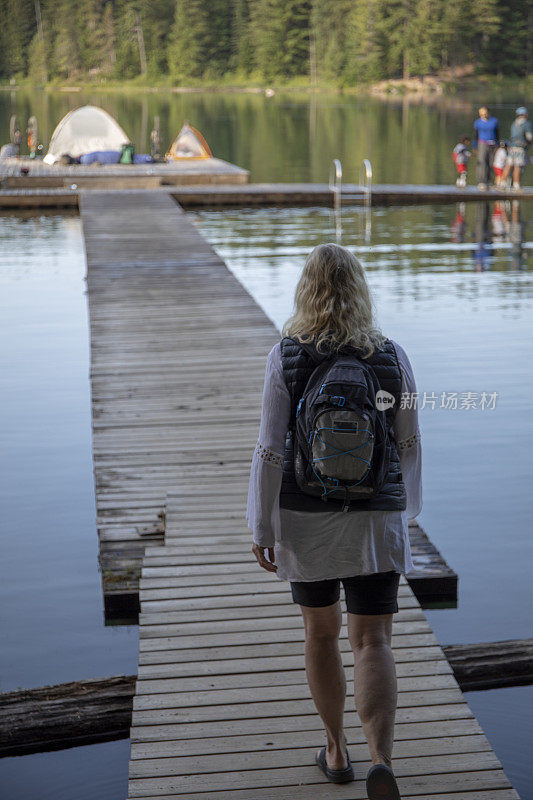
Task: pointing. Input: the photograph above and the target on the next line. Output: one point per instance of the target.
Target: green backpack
(126, 154)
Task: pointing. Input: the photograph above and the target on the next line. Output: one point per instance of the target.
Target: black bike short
(365, 594)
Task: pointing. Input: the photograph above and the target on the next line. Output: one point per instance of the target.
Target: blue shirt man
(486, 130)
(486, 137)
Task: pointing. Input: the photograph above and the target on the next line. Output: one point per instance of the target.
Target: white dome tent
(85, 130)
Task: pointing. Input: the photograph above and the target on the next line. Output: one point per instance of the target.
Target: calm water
(51, 611)
(288, 137)
(462, 312)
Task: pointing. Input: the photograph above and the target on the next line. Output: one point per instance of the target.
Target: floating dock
(222, 709)
(25, 173)
(204, 194)
(297, 194)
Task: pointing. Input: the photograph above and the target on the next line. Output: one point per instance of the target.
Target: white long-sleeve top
(313, 546)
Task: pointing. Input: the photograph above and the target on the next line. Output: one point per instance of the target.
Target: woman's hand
(259, 553)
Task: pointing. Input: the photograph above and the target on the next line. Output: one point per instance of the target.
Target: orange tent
(189, 143)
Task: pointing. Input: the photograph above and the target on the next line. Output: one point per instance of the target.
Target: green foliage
(368, 57)
(510, 54)
(65, 56)
(342, 42)
(37, 70)
(329, 23)
(200, 39)
(241, 59)
(18, 19)
(280, 37)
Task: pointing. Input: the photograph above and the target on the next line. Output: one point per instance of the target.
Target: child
(500, 158)
(460, 155)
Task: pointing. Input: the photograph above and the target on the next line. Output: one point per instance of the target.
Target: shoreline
(458, 85)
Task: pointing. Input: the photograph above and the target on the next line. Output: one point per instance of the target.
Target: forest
(317, 42)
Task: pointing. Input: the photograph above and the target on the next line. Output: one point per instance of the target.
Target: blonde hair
(483, 112)
(332, 303)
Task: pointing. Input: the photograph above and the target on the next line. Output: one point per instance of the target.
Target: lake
(287, 137)
(461, 309)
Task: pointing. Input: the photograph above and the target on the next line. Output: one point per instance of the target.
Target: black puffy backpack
(341, 444)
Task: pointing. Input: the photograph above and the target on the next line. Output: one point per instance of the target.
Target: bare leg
(375, 681)
(516, 176)
(505, 176)
(326, 677)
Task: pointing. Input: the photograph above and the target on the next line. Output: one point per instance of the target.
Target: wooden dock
(149, 389)
(241, 193)
(25, 173)
(297, 194)
(222, 709)
(141, 410)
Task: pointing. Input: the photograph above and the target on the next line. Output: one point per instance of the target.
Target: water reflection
(516, 236)
(363, 218)
(483, 251)
(501, 225)
(459, 224)
(493, 232)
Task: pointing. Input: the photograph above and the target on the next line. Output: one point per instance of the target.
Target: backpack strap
(311, 351)
(316, 360)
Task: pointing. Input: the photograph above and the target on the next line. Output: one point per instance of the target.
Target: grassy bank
(464, 83)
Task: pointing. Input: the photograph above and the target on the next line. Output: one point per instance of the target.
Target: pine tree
(91, 37)
(330, 22)
(156, 16)
(367, 46)
(424, 55)
(280, 35)
(465, 31)
(4, 66)
(108, 33)
(128, 60)
(37, 69)
(189, 40)
(219, 49)
(66, 49)
(297, 24)
(266, 30)
(400, 31)
(200, 39)
(20, 28)
(241, 45)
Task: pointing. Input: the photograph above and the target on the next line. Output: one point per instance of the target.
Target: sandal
(335, 775)
(381, 783)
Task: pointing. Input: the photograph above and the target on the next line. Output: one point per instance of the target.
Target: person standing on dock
(521, 138)
(315, 541)
(486, 137)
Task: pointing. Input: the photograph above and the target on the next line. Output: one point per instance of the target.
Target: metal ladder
(365, 182)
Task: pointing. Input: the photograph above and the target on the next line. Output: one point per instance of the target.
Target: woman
(313, 544)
